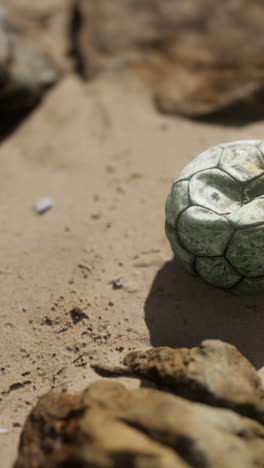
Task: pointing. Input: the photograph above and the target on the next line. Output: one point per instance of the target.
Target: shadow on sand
(181, 311)
(10, 121)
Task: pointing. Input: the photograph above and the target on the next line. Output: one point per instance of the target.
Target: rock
(49, 21)
(198, 56)
(261, 375)
(108, 426)
(26, 71)
(215, 373)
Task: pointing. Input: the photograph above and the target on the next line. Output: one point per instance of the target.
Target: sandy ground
(106, 158)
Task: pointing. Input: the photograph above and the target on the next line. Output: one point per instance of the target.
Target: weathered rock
(108, 426)
(198, 56)
(49, 21)
(215, 373)
(26, 71)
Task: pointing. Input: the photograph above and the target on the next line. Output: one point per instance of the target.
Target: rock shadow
(239, 114)
(11, 120)
(181, 311)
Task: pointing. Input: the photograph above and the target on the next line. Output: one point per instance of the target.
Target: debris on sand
(43, 205)
(77, 315)
(118, 283)
(3, 430)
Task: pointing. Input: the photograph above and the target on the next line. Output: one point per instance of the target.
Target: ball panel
(250, 214)
(243, 162)
(246, 251)
(206, 160)
(203, 232)
(250, 286)
(242, 142)
(182, 255)
(217, 271)
(260, 146)
(177, 201)
(215, 190)
(254, 189)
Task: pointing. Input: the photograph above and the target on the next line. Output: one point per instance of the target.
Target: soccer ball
(215, 216)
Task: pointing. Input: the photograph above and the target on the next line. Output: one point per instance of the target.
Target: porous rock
(215, 373)
(108, 426)
(198, 56)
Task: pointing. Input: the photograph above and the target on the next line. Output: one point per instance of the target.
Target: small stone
(118, 283)
(43, 205)
(3, 430)
(47, 321)
(77, 315)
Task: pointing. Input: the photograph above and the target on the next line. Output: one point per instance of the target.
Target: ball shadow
(182, 310)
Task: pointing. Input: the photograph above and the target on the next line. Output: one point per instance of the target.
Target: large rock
(215, 373)
(199, 56)
(108, 426)
(26, 69)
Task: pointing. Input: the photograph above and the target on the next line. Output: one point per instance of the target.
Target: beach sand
(106, 158)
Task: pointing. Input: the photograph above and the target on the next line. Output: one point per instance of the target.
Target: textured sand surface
(106, 158)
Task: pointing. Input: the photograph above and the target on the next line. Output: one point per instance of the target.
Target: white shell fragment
(215, 216)
(3, 430)
(43, 205)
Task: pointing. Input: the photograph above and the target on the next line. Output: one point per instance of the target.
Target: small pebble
(117, 283)
(77, 315)
(120, 348)
(43, 205)
(3, 430)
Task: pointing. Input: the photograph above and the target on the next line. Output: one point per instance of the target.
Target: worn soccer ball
(215, 216)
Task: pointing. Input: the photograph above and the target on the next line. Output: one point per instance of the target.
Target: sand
(106, 158)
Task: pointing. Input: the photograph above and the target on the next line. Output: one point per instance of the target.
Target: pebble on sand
(43, 205)
(3, 430)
